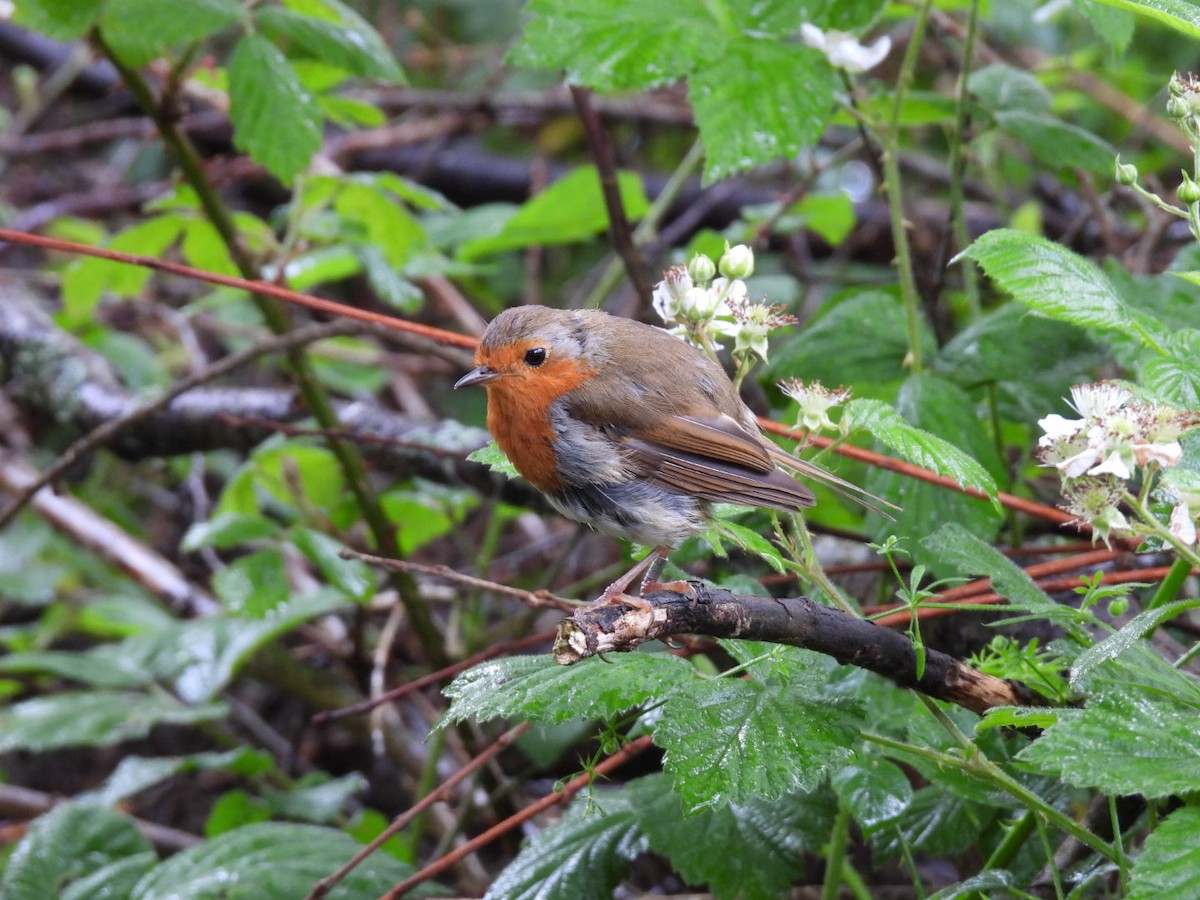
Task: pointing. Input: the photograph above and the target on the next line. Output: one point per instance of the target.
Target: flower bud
(1178, 108)
(1125, 173)
(1188, 191)
(701, 268)
(737, 262)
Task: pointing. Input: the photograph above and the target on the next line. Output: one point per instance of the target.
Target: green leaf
(116, 879)
(1112, 24)
(65, 845)
(584, 856)
(918, 446)
(758, 100)
(936, 822)
(615, 46)
(200, 657)
(1016, 717)
(99, 667)
(1056, 282)
(968, 555)
(858, 337)
(1132, 632)
(752, 542)
(1169, 865)
(64, 20)
(136, 773)
(253, 584)
(570, 210)
(1180, 15)
(731, 740)
(275, 119)
(373, 216)
(1122, 745)
(141, 30)
(1058, 144)
(875, 791)
(270, 861)
(761, 843)
(227, 530)
(317, 798)
(493, 457)
(538, 689)
(94, 718)
(340, 37)
(350, 576)
(1002, 88)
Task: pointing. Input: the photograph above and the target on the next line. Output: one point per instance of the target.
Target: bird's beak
(478, 375)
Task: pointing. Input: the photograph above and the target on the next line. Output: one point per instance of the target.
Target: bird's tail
(850, 491)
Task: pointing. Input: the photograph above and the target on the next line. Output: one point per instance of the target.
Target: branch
(797, 621)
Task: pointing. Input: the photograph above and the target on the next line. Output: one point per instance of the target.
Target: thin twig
(606, 164)
(104, 433)
(326, 884)
(555, 798)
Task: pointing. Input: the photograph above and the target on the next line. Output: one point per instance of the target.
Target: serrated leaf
(968, 555)
(1112, 24)
(1122, 745)
(94, 718)
(1057, 282)
(116, 879)
(731, 740)
(538, 689)
(348, 42)
(1129, 634)
(875, 791)
(1169, 865)
(1016, 717)
(758, 100)
(761, 843)
(918, 446)
(271, 861)
(494, 458)
(141, 30)
(1058, 144)
(374, 217)
(583, 856)
(64, 20)
(275, 119)
(65, 845)
(572, 209)
(936, 822)
(1172, 379)
(615, 46)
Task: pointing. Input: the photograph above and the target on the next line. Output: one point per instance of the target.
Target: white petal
(1057, 428)
(1168, 454)
(813, 36)
(1074, 466)
(1114, 465)
(1182, 525)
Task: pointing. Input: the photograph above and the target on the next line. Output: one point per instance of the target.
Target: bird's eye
(535, 356)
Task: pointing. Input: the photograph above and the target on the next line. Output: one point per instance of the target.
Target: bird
(629, 429)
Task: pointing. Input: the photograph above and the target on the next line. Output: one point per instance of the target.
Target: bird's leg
(652, 566)
(650, 582)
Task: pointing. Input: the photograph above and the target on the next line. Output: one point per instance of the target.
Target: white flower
(1114, 464)
(670, 292)
(1058, 428)
(815, 401)
(843, 51)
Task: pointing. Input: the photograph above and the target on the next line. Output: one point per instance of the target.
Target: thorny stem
(984, 769)
(892, 183)
(1155, 527)
(814, 572)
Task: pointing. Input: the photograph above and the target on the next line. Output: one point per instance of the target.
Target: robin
(628, 429)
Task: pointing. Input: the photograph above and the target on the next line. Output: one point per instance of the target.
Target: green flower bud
(1188, 191)
(1125, 173)
(1118, 606)
(1178, 108)
(701, 268)
(737, 262)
